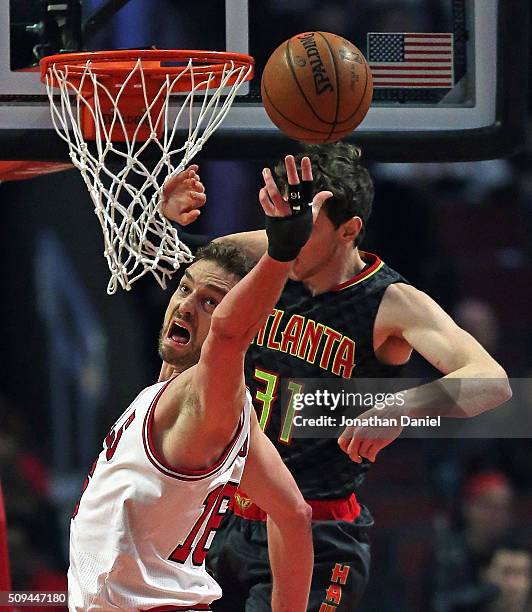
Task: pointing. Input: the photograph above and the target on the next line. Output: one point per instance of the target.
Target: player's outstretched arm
(270, 485)
(211, 394)
(429, 330)
(246, 307)
(473, 381)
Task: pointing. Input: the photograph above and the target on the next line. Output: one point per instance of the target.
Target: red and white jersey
(141, 530)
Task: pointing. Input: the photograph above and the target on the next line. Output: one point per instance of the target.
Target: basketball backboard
(476, 111)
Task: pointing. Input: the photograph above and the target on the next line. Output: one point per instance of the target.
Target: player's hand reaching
(290, 217)
(301, 192)
(183, 196)
(367, 442)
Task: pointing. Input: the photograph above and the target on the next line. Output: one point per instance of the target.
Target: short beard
(179, 362)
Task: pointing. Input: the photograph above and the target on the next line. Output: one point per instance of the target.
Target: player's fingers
(353, 450)
(284, 209)
(195, 201)
(319, 200)
(199, 198)
(266, 203)
(191, 171)
(171, 182)
(194, 184)
(189, 217)
(354, 455)
(198, 186)
(182, 176)
(281, 205)
(364, 448)
(306, 169)
(372, 452)
(291, 170)
(273, 192)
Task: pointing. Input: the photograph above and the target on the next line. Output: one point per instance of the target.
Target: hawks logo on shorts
(241, 501)
(141, 530)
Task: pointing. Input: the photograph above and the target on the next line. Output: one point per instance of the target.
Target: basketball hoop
(111, 97)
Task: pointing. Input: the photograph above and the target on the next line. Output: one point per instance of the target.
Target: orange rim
(113, 66)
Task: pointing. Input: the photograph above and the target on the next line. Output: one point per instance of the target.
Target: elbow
(222, 329)
(301, 515)
(499, 388)
(305, 514)
(225, 329)
(502, 391)
(296, 516)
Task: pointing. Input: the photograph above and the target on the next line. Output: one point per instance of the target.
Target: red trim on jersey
(206, 607)
(347, 509)
(160, 463)
(361, 275)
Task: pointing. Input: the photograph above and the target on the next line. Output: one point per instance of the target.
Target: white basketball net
(137, 237)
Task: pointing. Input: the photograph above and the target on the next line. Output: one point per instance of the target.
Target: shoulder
(402, 303)
(403, 295)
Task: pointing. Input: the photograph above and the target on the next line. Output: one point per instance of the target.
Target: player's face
(319, 251)
(188, 317)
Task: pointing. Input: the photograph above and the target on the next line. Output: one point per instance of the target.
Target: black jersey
(327, 335)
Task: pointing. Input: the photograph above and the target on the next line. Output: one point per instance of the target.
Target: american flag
(411, 60)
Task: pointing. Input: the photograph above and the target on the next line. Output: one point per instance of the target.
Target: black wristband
(299, 195)
(288, 235)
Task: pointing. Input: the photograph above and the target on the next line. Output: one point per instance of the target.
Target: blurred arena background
(73, 357)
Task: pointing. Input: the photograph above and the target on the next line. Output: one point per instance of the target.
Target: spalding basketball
(317, 87)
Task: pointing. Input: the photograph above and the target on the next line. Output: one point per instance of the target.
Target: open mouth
(178, 333)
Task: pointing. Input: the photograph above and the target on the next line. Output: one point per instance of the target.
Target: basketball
(317, 87)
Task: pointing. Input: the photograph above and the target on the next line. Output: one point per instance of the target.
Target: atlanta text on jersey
(309, 341)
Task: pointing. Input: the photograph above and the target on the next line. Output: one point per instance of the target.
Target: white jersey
(141, 530)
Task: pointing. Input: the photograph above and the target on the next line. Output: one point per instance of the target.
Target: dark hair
(337, 168)
(228, 256)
